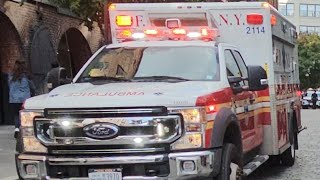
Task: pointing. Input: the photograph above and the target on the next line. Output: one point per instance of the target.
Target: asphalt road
(7, 147)
(307, 166)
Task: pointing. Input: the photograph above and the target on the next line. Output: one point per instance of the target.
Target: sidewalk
(7, 148)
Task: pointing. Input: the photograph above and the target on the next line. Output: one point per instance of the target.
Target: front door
(244, 102)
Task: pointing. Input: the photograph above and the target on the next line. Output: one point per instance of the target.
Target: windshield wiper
(161, 78)
(102, 78)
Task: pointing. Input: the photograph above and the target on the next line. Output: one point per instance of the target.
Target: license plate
(105, 174)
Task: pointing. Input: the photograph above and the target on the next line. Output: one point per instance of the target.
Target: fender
(224, 119)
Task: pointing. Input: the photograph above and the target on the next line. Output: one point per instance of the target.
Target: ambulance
(185, 91)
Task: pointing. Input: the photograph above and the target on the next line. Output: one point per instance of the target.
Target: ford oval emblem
(101, 130)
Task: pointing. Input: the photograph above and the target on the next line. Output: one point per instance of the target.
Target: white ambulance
(185, 91)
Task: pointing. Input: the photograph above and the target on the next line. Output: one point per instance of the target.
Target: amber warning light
(124, 20)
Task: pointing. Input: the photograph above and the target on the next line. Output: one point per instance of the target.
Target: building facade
(304, 14)
(41, 34)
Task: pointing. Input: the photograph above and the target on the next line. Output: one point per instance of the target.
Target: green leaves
(93, 10)
(88, 10)
(309, 60)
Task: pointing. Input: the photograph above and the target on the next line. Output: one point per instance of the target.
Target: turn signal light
(255, 19)
(124, 20)
(211, 109)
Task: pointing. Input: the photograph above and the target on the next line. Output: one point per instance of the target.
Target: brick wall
(25, 18)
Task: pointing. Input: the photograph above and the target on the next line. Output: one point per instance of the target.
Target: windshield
(184, 63)
(309, 94)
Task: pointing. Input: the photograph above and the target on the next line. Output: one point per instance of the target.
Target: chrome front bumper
(205, 164)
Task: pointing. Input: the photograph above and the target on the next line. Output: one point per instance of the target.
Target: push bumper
(183, 165)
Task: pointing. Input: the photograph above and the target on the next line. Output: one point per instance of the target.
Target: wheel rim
(234, 168)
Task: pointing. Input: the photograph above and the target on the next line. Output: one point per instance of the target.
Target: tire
(229, 170)
(18, 151)
(288, 157)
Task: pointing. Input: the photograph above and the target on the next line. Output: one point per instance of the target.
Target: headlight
(30, 143)
(194, 125)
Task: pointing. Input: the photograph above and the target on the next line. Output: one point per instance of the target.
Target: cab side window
(242, 65)
(231, 65)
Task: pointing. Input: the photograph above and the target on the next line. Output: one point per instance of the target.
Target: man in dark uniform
(314, 98)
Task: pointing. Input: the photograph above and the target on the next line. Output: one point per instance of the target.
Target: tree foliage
(309, 60)
(88, 10)
(93, 10)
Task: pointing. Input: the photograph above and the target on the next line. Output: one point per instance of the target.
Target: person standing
(20, 89)
(314, 98)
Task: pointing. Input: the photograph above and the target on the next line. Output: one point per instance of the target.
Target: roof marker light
(112, 7)
(124, 20)
(255, 19)
(265, 5)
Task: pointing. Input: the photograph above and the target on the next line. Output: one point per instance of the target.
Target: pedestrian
(48, 83)
(314, 98)
(20, 89)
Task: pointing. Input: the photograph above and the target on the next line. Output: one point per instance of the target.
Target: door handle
(246, 109)
(252, 99)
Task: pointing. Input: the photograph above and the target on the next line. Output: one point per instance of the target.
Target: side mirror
(57, 77)
(235, 84)
(257, 78)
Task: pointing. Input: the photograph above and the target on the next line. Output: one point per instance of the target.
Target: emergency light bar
(205, 34)
(171, 31)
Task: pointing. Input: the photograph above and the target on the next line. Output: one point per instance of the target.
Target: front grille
(151, 130)
(107, 112)
(124, 131)
(155, 169)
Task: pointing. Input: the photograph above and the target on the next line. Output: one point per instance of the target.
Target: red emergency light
(154, 34)
(255, 19)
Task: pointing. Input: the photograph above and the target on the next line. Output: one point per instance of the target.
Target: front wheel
(229, 169)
